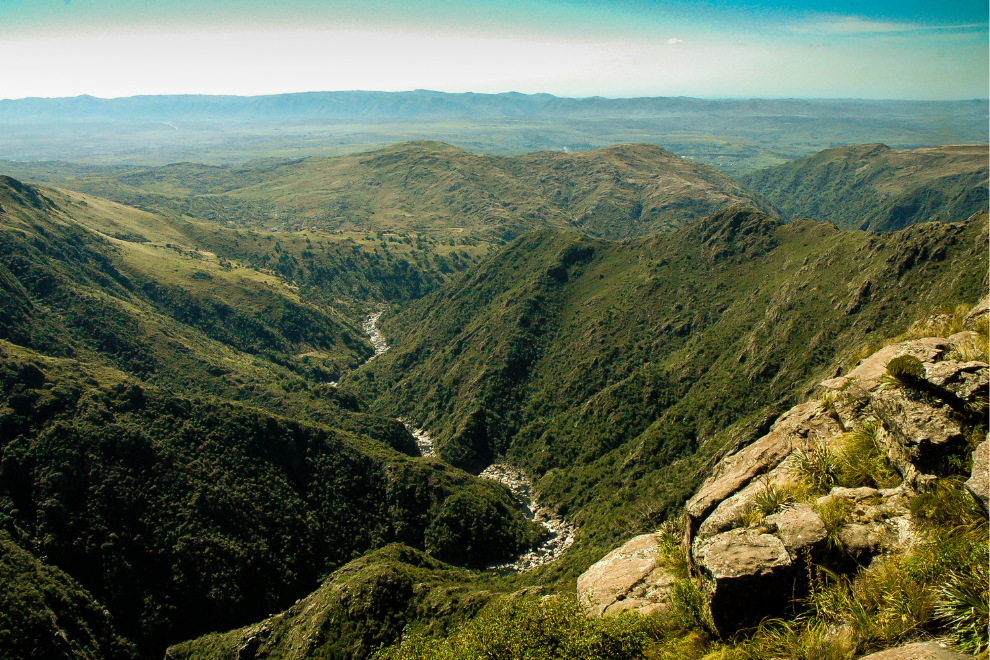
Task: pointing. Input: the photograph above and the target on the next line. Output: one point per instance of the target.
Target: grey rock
(979, 482)
(752, 575)
(982, 308)
(922, 431)
(798, 527)
(737, 470)
(628, 578)
(863, 541)
(919, 651)
(966, 380)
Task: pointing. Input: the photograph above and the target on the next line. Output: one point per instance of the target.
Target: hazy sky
(925, 49)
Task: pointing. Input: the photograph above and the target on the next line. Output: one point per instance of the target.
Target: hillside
(878, 188)
(170, 440)
(612, 372)
(429, 189)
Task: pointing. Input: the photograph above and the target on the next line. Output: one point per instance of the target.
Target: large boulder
(628, 578)
(923, 431)
(752, 575)
(919, 651)
(798, 528)
(979, 483)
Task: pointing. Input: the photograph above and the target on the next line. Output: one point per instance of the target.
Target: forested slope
(170, 441)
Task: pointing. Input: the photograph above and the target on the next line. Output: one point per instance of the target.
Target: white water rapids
(560, 533)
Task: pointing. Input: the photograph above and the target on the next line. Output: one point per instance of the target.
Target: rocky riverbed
(560, 533)
(370, 327)
(423, 439)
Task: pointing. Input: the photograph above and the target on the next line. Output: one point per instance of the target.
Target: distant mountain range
(424, 104)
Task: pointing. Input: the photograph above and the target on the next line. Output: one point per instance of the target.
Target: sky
(906, 49)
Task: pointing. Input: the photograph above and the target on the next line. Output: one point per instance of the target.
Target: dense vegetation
(44, 613)
(145, 447)
(878, 188)
(612, 372)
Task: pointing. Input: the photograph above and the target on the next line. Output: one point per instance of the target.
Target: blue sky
(889, 49)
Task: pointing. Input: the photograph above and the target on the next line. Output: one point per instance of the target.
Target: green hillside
(432, 190)
(612, 371)
(169, 439)
(44, 613)
(878, 188)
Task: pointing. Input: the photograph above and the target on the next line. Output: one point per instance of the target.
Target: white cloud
(674, 40)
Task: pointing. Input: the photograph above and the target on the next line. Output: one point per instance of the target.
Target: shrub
(818, 467)
(903, 371)
(548, 628)
(669, 553)
(963, 605)
(834, 513)
(863, 460)
(768, 500)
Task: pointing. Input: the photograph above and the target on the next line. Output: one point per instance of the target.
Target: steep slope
(168, 437)
(612, 372)
(875, 187)
(371, 602)
(438, 190)
(44, 613)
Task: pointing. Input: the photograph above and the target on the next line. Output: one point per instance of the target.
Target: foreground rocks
(752, 575)
(628, 578)
(747, 540)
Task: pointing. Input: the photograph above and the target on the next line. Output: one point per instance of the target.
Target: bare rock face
(752, 573)
(923, 431)
(979, 483)
(964, 379)
(628, 578)
(920, 651)
(739, 469)
(798, 527)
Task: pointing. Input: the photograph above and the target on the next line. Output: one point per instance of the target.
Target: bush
(963, 605)
(863, 460)
(548, 628)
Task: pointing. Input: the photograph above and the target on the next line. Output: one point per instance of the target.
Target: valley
(389, 403)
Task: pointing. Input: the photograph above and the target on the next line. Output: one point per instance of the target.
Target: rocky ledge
(748, 539)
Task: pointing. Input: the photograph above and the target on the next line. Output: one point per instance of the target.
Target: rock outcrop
(752, 526)
(978, 484)
(751, 572)
(628, 578)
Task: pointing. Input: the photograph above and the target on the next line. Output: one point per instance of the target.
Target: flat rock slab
(869, 372)
(736, 470)
(920, 651)
(798, 527)
(628, 578)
